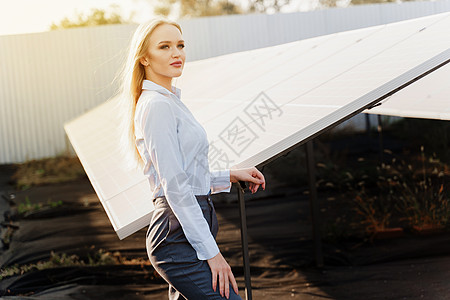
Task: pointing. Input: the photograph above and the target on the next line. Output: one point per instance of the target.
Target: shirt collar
(151, 86)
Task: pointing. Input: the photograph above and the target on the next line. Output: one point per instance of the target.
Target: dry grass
(97, 258)
(47, 171)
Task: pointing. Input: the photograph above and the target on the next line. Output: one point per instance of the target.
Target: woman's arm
(160, 135)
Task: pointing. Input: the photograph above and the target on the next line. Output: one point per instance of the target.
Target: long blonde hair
(132, 77)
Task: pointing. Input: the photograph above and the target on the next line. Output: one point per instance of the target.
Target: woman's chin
(178, 74)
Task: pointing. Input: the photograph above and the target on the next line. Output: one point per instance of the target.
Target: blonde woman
(172, 149)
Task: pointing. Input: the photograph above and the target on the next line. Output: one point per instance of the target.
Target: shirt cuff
(220, 181)
(206, 250)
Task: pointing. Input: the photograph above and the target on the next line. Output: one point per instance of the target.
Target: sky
(26, 16)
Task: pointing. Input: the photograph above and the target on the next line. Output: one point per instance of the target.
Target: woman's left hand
(251, 175)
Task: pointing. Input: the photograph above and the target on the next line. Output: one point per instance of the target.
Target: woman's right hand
(219, 267)
(251, 175)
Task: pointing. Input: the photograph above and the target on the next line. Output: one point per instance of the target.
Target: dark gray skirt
(175, 259)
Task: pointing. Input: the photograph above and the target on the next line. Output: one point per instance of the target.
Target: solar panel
(427, 98)
(122, 192)
(260, 103)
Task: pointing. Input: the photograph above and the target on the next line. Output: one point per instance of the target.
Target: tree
(264, 6)
(96, 17)
(197, 8)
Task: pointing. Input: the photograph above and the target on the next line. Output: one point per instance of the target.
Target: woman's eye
(167, 46)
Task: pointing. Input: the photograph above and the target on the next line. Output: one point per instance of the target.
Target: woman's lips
(176, 64)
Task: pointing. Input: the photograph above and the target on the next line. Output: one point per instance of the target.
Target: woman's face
(165, 55)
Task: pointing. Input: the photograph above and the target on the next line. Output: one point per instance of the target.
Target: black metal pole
(367, 124)
(244, 241)
(317, 236)
(380, 137)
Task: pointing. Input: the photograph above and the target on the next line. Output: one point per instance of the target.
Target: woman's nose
(176, 53)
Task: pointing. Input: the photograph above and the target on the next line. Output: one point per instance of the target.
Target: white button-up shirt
(174, 148)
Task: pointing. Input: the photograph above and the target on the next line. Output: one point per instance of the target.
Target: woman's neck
(165, 82)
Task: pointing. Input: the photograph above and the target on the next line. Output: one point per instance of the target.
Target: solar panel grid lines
(217, 75)
(251, 74)
(256, 105)
(337, 65)
(336, 35)
(249, 88)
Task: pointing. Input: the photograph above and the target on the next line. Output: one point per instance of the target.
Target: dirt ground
(281, 252)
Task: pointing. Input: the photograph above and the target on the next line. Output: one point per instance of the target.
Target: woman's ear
(144, 61)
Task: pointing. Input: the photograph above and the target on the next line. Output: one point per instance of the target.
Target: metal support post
(244, 241)
(317, 236)
(380, 138)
